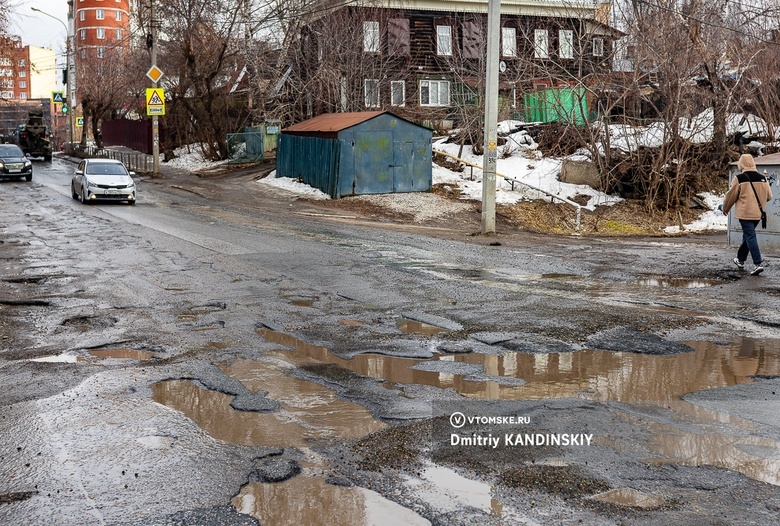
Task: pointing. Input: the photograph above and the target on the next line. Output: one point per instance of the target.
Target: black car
(13, 163)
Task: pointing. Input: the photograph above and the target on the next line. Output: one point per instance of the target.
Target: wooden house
(426, 59)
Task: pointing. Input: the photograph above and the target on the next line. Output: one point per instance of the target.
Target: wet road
(161, 363)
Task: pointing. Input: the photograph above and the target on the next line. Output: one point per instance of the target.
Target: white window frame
(119, 33)
(83, 34)
(22, 63)
(565, 43)
(22, 72)
(23, 95)
(541, 43)
(371, 93)
(101, 52)
(100, 14)
(22, 84)
(598, 47)
(508, 42)
(436, 88)
(371, 36)
(118, 15)
(101, 33)
(444, 41)
(394, 85)
(82, 15)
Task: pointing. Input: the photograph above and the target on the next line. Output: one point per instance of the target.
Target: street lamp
(69, 121)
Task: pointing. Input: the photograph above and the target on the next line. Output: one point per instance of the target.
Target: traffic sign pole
(155, 78)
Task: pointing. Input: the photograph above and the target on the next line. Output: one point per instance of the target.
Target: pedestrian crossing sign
(155, 101)
(56, 97)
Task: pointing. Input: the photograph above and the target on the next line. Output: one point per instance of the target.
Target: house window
(83, 34)
(541, 42)
(508, 42)
(398, 93)
(371, 37)
(472, 40)
(101, 32)
(22, 73)
(434, 93)
(598, 47)
(22, 63)
(398, 37)
(566, 43)
(23, 95)
(82, 15)
(22, 84)
(119, 16)
(119, 34)
(100, 14)
(371, 92)
(444, 40)
(101, 52)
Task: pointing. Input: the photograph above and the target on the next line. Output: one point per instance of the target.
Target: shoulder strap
(756, 194)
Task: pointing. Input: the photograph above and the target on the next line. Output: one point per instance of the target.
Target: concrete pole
(491, 118)
(155, 118)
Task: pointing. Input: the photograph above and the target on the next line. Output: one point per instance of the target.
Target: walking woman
(749, 193)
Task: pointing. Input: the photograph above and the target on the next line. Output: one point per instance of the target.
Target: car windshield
(106, 169)
(9, 150)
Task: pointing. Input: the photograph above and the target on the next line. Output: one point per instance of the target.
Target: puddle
(61, 358)
(678, 282)
(281, 504)
(754, 457)
(417, 327)
(446, 490)
(308, 411)
(351, 322)
(126, 354)
(302, 302)
(630, 497)
(589, 374)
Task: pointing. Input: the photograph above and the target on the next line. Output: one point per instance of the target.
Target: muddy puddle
(590, 374)
(308, 411)
(680, 283)
(123, 354)
(628, 497)
(407, 326)
(281, 504)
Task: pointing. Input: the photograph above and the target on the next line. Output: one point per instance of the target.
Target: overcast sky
(40, 30)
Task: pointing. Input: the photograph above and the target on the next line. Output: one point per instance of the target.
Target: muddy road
(223, 353)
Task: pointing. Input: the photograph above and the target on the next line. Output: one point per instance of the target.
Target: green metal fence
(564, 105)
(246, 147)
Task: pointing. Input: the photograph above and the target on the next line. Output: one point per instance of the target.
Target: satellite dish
(502, 66)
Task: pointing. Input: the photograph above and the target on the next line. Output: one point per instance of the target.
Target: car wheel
(132, 203)
(83, 197)
(73, 193)
(28, 177)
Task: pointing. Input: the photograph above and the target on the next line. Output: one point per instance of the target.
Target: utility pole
(155, 118)
(491, 116)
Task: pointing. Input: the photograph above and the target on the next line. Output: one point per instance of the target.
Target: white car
(103, 179)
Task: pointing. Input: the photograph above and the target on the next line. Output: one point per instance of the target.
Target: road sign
(80, 122)
(155, 101)
(154, 73)
(57, 97)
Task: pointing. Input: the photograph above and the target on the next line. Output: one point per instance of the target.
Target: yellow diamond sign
(154, 73)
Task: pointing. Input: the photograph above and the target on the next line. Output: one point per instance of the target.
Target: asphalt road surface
(224, 353)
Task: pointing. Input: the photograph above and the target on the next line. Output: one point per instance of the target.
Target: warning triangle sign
(155, 99)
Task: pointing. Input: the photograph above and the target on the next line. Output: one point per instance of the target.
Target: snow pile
(190, 158)
(292, 185)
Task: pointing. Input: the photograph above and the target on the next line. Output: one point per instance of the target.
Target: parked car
(13, 163)
(103, 179)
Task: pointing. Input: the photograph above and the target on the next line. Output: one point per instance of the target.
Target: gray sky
(40, 30)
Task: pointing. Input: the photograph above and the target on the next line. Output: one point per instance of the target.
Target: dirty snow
(520, 161)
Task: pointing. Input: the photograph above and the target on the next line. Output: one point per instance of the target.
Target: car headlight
(131, 184)
(27, 163)
(91, 184)
(1, 165)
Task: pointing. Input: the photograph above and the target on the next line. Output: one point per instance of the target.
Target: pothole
(631, 498)
(679, 283)
(123, 354)
(408, 326)
(308, 411)
(90, 322)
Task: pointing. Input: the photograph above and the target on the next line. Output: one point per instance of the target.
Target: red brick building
(100, 25)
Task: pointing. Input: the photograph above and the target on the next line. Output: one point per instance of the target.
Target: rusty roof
(333, 122)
